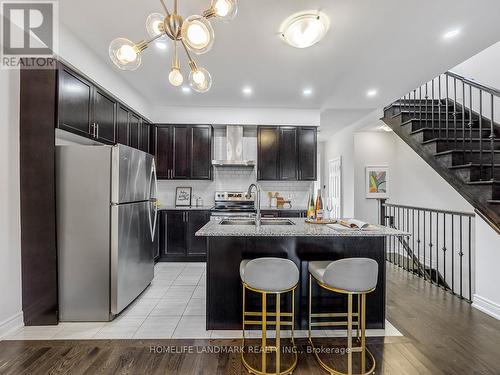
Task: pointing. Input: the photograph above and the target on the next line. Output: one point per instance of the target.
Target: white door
(335, 185)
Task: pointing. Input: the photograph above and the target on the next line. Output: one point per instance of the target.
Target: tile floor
(173, 306)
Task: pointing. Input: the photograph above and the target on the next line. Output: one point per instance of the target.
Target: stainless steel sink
(237, 222)
(276, 222)
(252, 222)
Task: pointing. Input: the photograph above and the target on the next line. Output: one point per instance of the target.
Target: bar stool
(269, 276)
(354, 277)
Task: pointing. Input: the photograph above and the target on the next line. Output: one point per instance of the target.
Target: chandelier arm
(192, 63)
(165, 7)
(149, 41)
(175, 6)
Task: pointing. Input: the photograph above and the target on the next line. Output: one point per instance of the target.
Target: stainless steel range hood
(234, 149)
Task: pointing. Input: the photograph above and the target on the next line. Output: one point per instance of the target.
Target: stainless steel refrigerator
(106, 218)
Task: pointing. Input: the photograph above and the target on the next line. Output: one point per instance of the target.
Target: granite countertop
(183, 208)
(300, 229)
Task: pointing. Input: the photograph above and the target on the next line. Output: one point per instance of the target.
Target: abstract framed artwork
(183, 196)
(377, 182)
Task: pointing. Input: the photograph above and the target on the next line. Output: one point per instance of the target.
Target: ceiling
(387, 45)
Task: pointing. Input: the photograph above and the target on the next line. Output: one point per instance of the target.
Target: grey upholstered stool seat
(353, 275)
(269, 274)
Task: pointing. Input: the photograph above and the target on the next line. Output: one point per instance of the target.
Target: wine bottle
(319, 206)
(311, 211)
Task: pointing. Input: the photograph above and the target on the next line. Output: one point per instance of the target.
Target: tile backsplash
(236, 179)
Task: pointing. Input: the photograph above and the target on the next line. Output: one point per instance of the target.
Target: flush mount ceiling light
(451, 34)
(371, 93)
(307, 92)
(195, 33)
(247, 91)
(304, 29)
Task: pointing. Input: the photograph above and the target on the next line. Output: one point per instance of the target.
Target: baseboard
(485, 305)
(11, 324)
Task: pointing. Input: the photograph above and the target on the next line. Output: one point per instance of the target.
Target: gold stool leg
(243, 316)
(349, 334)
(358, 320)
(363, 337)
(264, 327)
(310, 303)
(278, 325)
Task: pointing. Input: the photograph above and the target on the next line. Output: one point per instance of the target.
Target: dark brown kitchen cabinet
(268, 153)
(183, 152)
(196, 246)
(177, 235)
(286, 153)
(75, 103)
(163, 151)
(122, 130)
(134, 123)
(87, 109)
(104, 117)
(307, 149)
(201, 153)
(144, 136)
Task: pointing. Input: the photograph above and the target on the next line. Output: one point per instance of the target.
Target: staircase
(451, 123)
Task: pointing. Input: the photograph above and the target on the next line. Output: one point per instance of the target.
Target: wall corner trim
(11, 324)
(487, 306)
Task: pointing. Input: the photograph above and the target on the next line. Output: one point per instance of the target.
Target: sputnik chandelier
(195, 33)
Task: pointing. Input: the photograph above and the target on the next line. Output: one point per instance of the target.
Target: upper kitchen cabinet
(75, 102)
(268, 153)
(134, 123)
(307, 145)
(122, 128)
(88, 110)
(104, 116)
(183, 152)
(144, 136)
(286, 153)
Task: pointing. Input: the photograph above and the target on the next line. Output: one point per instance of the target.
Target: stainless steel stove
(231, 204)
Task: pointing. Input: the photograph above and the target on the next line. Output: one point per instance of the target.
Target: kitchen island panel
(224, 294)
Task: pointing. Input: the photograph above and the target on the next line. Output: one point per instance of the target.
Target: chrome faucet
(257, 200)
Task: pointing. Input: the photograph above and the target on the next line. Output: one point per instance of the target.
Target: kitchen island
(228, 245)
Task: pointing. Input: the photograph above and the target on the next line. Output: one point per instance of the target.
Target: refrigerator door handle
(153, 185)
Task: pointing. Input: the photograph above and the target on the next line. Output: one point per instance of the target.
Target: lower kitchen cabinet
(178, 242)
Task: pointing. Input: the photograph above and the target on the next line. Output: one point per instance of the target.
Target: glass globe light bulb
(154, 26)
(225, 9)
(124, 54)
(175, 77)
(200, 80)
(198, 34)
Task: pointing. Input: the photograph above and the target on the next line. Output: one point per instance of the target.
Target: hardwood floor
(442, 335)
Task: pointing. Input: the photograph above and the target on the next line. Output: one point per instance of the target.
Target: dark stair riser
(428, 134)
(435, 146)
(417, 108)
(476, 173)
(427, 117)
(491, 190)
(460, 158)
(416, 124)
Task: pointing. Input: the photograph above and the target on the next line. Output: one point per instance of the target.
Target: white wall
(238, 116)
(487, 296)
(10, 239)
(341, 143)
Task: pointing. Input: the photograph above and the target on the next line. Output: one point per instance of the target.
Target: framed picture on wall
(377, 182)
(183, 196)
